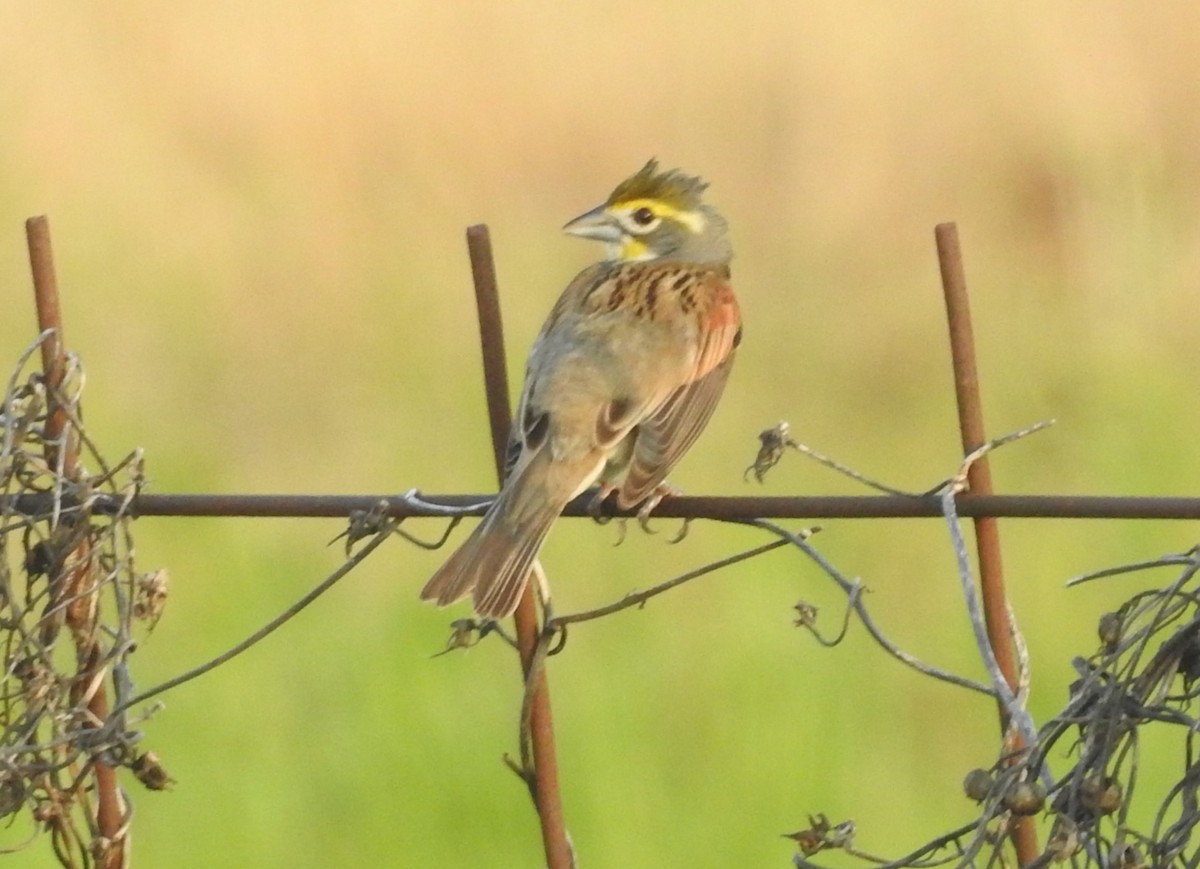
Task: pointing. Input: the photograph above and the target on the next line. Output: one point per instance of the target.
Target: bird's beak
(595, 224)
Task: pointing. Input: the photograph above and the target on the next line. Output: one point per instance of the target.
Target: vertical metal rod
(979, 478)
(541, 724)
(49, 315)
(110, 805)
(491, 338)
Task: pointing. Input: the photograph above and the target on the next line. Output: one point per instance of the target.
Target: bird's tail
(495, 561)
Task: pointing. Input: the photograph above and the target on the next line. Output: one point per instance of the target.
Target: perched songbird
(621, 380)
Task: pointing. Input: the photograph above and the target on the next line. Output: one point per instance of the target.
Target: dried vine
(72, 603)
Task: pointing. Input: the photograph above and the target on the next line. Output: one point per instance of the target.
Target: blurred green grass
(258, 213)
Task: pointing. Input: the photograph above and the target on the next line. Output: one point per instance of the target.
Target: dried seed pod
(806, 614)
(774, 441)
(150, 595)
(1126, 857)
(1100, 794)
(1064, 839)
(150, 772)
(12, 793)
(820, 834)
(1025, 798)
(1189, 662)
(978, 784)
(1109, 630)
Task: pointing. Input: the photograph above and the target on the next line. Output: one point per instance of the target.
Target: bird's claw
(595, 507)
(622, 527)
(662, 490)
(683, 530)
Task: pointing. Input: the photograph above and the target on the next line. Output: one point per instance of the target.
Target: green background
(258, 211)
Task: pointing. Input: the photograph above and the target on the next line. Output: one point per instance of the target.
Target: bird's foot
(662, 490)
(595, 507)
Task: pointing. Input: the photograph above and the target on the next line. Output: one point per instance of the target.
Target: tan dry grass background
(258, 213)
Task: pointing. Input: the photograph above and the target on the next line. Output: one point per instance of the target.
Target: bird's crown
(654, 215)
(671, 188)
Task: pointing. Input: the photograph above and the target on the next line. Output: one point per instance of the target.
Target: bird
(622, 378)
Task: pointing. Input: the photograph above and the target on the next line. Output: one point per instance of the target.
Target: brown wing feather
(670, 430)
(665, 437)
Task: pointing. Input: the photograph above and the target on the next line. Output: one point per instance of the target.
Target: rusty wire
(414, 504)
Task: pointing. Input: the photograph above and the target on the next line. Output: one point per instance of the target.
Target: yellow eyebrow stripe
(693, 220)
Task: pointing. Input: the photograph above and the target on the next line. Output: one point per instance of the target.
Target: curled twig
(852, 589)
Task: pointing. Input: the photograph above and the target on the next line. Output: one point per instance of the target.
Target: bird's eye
(643, 216)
